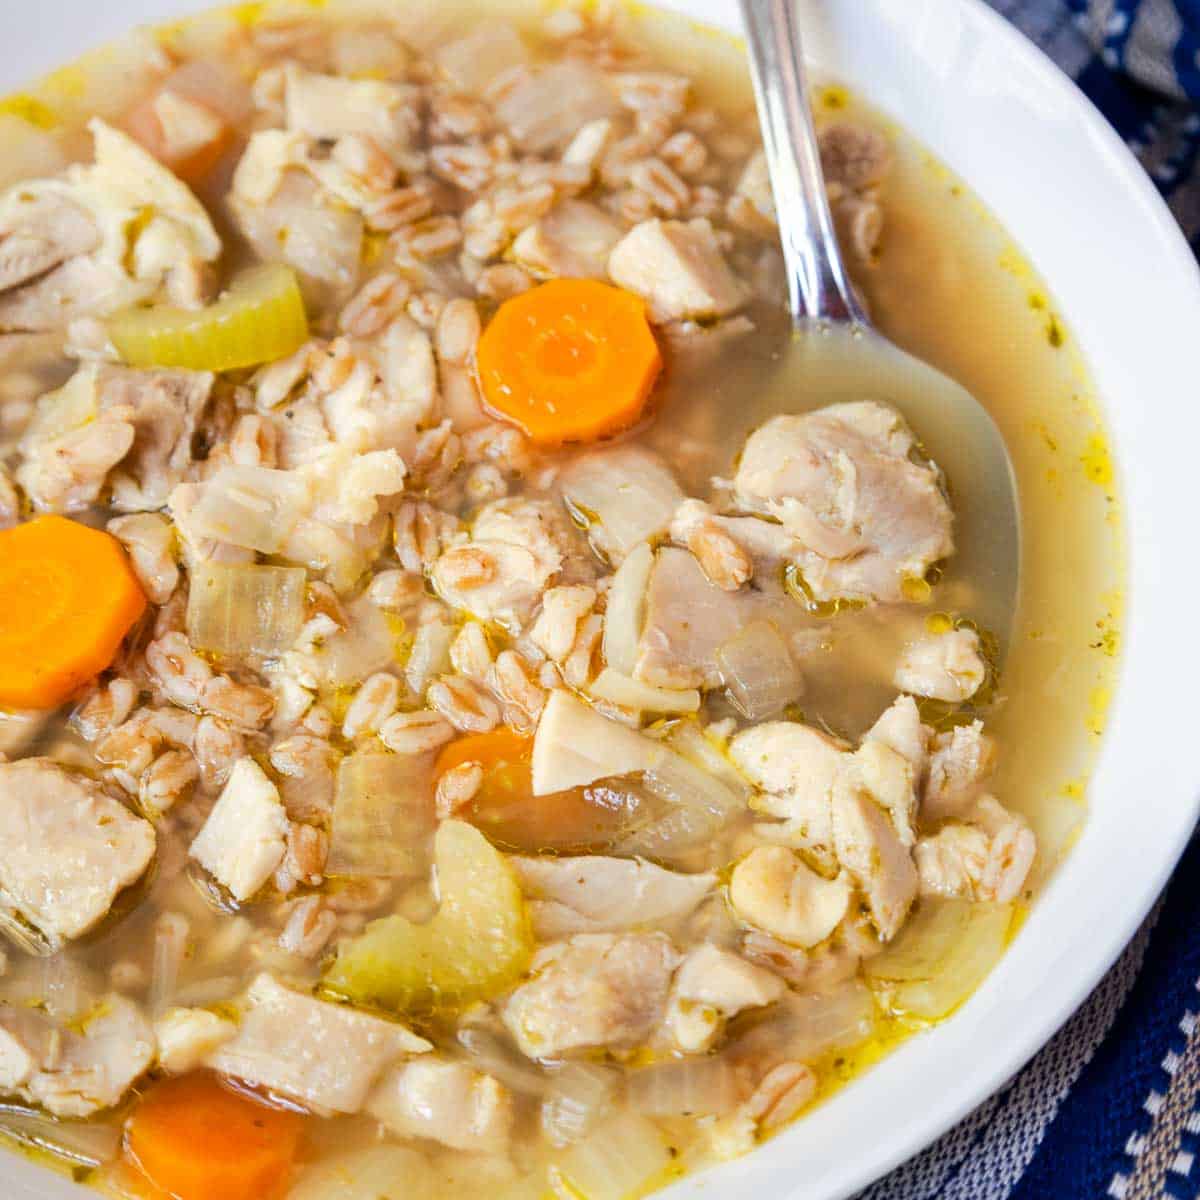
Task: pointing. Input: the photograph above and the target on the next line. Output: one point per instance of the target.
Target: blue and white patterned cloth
(1111, 1106)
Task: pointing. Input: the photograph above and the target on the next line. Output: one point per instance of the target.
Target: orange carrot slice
(195, 163)
(501, 747)
(508, 812)
(195, 1139)
(67, 598)
(569, 361)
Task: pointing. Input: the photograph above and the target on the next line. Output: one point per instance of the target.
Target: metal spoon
(835, 354)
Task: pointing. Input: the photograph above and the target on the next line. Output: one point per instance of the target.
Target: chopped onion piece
(926, 940)
(691, 739)
(687, 1087)
(942, 956)
(622, 1159)
(206, 993)
(365, 646)
(254, 507)
(815, 1023)
(626, 692)
(697, 806)
(580, 1095)
(85, 1143)
(382, 816)
(759, 671)
(366, 1174)
(492, 1054)
(238, 611)
(625, 613)
(482, 56)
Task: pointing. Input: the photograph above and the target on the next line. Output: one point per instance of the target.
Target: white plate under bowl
(1003, 117)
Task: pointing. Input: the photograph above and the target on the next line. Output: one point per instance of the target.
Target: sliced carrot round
(499, 747)
(67, 598)
(569, 361)
(508, 812)
(195, 1139)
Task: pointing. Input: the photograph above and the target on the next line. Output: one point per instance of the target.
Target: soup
(464, 732)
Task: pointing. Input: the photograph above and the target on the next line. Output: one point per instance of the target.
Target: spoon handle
(818, 285)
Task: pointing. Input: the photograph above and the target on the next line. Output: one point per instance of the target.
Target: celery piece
(477, 944)
(259, 319)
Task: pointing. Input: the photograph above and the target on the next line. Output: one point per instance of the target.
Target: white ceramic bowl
(1002, 116)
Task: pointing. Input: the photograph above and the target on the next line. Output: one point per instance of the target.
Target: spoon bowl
(834, 354)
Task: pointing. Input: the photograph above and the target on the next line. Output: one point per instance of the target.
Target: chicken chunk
(854, 157)
(518, 548)
(40, 232)
(101, 236)
(245, 836)
(689, 619)
(795, 767)
(711, 986)
(900, 728)
(856, 160)
(840, 480)
(772, 889)
(327, 107)
(545, 107)
(323, 1055)
(595, 894)
(623, 494)
(961, 762)
(679, 270)
(868, 846)
(891, 781)
(575, 745)
(286, 215)
(166, 409)
(988, 857)
(594, 990)
(574, 240)
(944, 666)
(187, 1036)
(66, 848)
(74, 1069)
(446, 1102)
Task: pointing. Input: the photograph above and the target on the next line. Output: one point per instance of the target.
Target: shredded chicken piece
(593, 990)
(66, 848)
(711, 986)
(326, 1056)
(865, 517)
(772, 889)
(74, 1069)
(944, 666)
(987, 856)
(679, 269)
